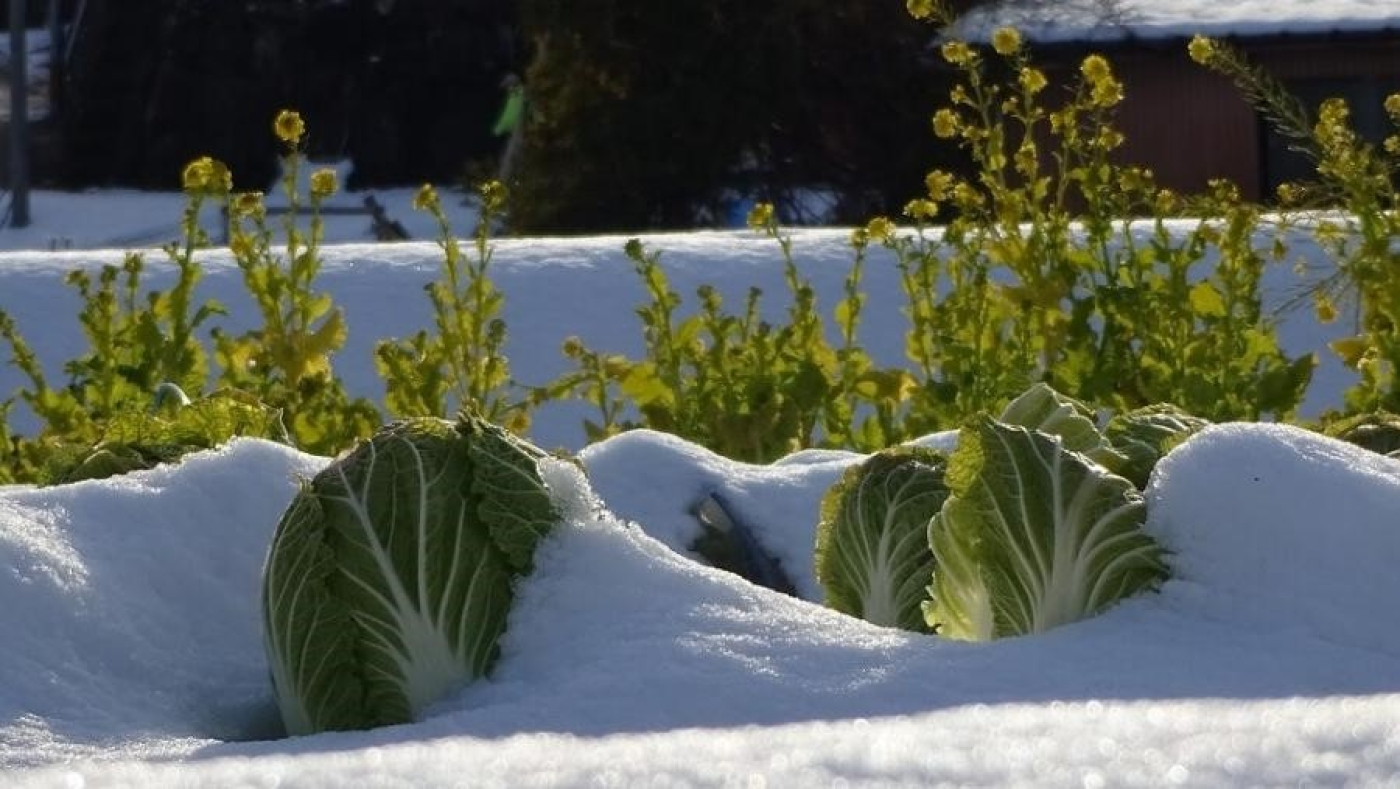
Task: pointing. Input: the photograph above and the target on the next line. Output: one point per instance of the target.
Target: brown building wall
(1187, 124)
(1190, 125)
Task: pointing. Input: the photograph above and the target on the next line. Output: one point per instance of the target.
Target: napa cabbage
(1034, 535)
(391, 574)
(1145, 435)
(873, 559)
(1045, 410)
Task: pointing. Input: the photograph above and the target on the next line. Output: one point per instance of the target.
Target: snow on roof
(1050, 21)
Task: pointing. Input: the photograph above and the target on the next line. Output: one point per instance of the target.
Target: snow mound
(1278, 527)
(658, 480)
(130, 606)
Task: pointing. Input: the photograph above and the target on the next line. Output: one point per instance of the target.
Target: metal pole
(19, 117)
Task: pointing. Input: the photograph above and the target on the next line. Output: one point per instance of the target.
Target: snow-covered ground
(131, 653)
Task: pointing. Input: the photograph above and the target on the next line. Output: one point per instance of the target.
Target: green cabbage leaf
(872, 555)
(1145, 435)
(1033, 536)
(1045, 410)
(390, 576)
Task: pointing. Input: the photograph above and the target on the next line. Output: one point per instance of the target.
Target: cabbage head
(1045, 410)
(1033, 536)
(390, 575)
(1145, 435)
(872, 556)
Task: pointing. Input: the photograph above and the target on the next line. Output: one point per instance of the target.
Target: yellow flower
(1109, 138)
(957, 52)
(1006, 41)
(939, 184)
(1392, 106)
(1333, 112)
(1095, 69)
(1032, 79)
(919, 9)
(573, 347)
(1134, 179)
(880, 229)
(248, 204)
(196, 175)
(1107, 92)
(289, 127)
(220, 178)
(206, 175)
(493, 196)
(426, 199)
(1392, 144)
(965, 195)
(323, 183)
(945, 123)
(1166, 203)
(1027, 159)
(860, 238)
(1289, 194)
(921, 210)
(1201, 49)
(761, 216)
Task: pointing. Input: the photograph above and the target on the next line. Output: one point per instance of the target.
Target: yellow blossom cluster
(1006, 41)
(1333, 129)
(958, 53)
(880, 229)
(289, 127)
(323, 183)
(761, 216)
(1105, 89)
(1032, 80)
(939, 184)
(493, 196)
(1201, 49)
(1392, 108)
(206, 175)
(919, 9)
(921, 210)
(248, 204)
(426, 199)
(1290, 194)
(945, 123)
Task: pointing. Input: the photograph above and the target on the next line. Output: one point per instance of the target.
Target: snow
(132, 651)
(133, 656)
(1112, 20)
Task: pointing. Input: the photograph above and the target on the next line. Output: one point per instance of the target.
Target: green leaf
(1032, 537)
(643, 384)
(1145, 435)
(1206, 300)
(1043, 409)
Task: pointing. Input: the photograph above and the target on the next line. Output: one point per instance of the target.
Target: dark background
(642, 114)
